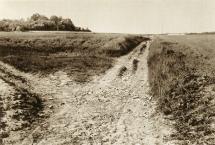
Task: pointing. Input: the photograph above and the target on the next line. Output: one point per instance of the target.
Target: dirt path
(115, 108)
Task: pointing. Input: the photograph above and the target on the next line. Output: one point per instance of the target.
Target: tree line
(39, 22)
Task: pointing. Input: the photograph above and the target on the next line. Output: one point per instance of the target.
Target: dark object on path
(122, 70)
(135, 65)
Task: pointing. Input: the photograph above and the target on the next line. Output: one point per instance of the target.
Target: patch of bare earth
(111, 109)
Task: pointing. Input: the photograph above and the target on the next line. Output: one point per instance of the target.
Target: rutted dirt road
(115, 108)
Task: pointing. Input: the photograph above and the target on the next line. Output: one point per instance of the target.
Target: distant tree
(3, 26)
(49, 25)
(68, 24)
(36, 17)
(77, 28)
(87, 30)
(56, 20)
(20, 28)
(40, 22)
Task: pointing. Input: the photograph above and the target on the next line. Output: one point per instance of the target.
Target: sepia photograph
(107, 72)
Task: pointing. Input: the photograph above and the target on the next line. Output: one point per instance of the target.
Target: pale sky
(122, 16)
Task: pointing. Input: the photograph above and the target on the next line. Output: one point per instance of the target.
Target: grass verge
(183, 92)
